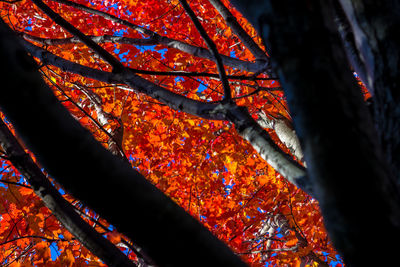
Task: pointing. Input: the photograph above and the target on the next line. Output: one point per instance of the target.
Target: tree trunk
(349, 172)
(375, 25)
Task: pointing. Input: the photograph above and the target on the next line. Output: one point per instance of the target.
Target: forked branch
(213, 49)
(169, 42)
(246, 125)
(104, 54)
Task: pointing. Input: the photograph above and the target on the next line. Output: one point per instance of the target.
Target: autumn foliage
(203, 165)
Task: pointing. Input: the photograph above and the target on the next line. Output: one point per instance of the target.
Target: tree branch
(117, 147)
(239, 31)
(173, 100)
(257, 136)
(33, 236)
(213, 49)
(141, 42)
(116, 64)
(251, 131)
(286, 134)
(14, 183)
(138, 251)
(96, 177)
(61, 208)
(169, 42)
(97, 39)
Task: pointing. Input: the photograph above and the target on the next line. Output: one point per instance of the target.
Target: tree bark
(351, 178)
(376, 28)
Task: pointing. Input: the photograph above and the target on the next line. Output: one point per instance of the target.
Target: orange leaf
(291, 242)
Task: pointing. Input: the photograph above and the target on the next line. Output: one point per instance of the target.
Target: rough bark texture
(349, 44)
(376, 28)
(103, 182)
(351, 178)
(285, 133)
(251, 131)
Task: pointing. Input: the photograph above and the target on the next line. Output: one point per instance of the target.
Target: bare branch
(32, 237)
(173, 100)
(14, 183)
(117, 148)
(141, 42)
(116, 65)
(97, 39)
(285, 133)
(213, 49)
(247, 127)
(251, 131)
(270, 250)
(239, 31)
(169, 42)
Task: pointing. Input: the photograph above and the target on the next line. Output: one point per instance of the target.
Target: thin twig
(269, 250)
(238, 30)
(15, 183)
(104, 54)
(33, 236)
(169, 42)
(85, 112)
(213, 49)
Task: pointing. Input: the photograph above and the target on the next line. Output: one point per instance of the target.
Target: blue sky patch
(201, 88)
(54, 250)
(120, 32)
(179, 79)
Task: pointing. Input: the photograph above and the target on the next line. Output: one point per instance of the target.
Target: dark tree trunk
(351, 176)
(376, 27)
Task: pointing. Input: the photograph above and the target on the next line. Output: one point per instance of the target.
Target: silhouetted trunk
(376, 29)
(351, 176)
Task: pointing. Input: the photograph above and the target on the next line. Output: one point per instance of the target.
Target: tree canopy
(158, 133)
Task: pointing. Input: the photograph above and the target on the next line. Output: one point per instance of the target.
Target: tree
(255, 211)
(177, 117)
